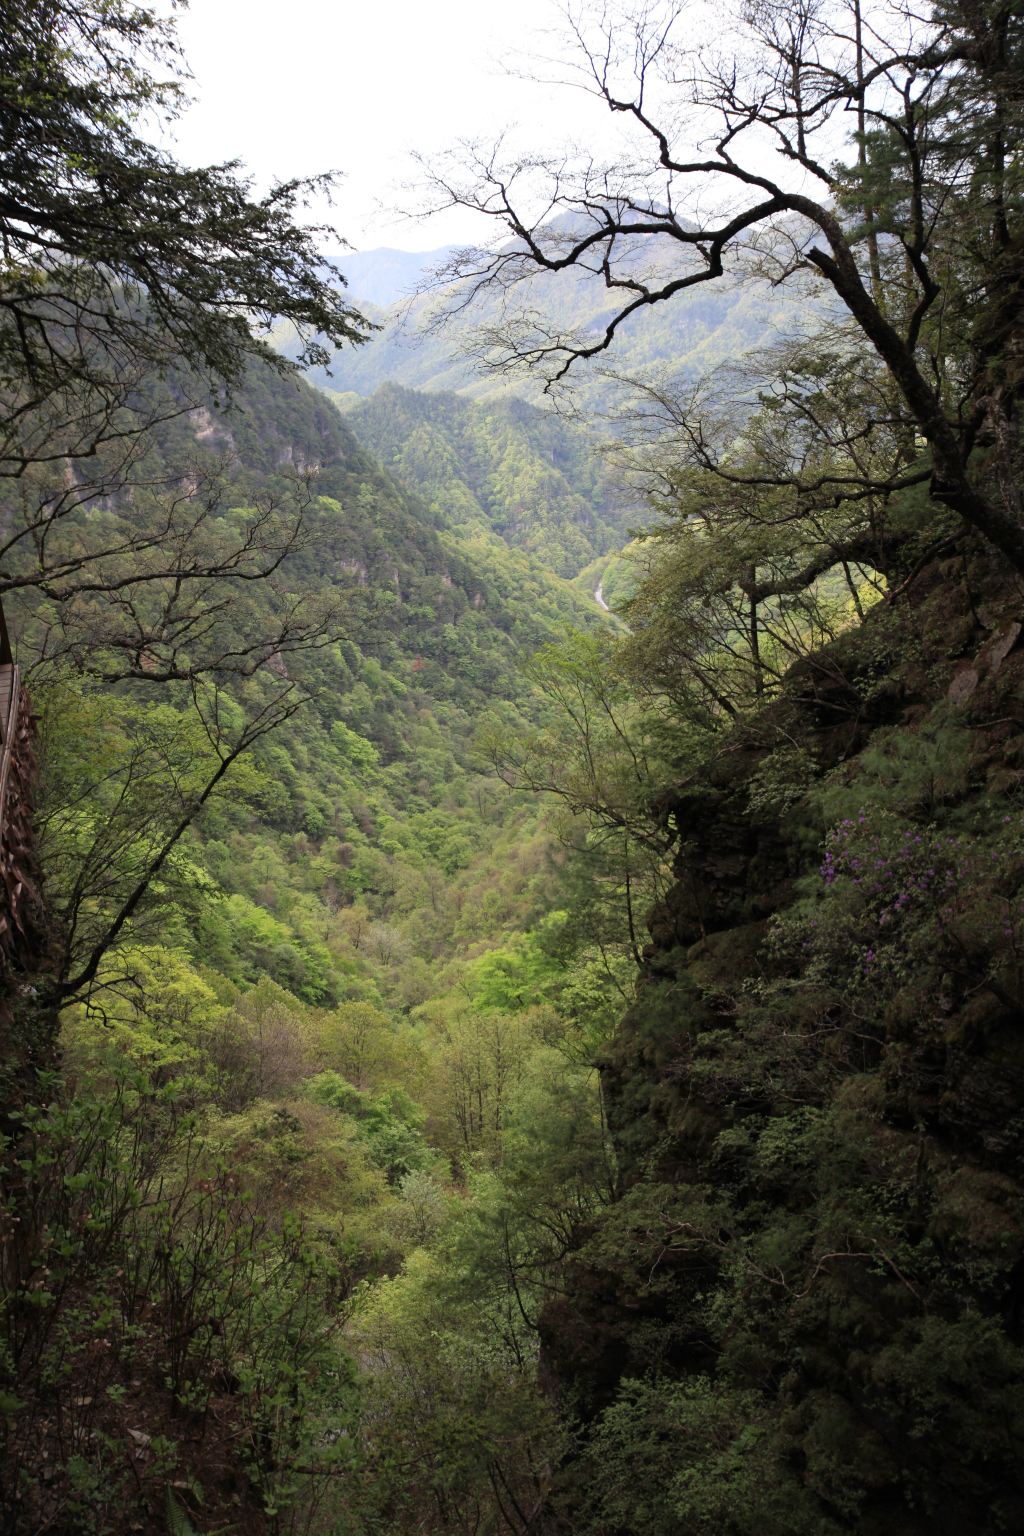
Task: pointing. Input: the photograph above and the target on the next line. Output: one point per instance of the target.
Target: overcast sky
(300, 86)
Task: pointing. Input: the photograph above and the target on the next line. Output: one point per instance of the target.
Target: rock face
(815, 1266)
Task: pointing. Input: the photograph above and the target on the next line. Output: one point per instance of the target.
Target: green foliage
(148, 1291)
(388, 1124)
(354, 1166)
(453, 1396)
(813, 1237)
(516, 976)
(687, 1457)
(130, 275)
(526, 474)
(602, 747)
(336, 983)
(178, 1523)
(904, 905)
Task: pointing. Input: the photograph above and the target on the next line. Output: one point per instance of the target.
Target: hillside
(511, 1004)
(532, 478)
(333, 990)
(436, 621)
(806, 1296)
(327, 1185)
(709, 326)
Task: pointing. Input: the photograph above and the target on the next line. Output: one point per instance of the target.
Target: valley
(512, 821)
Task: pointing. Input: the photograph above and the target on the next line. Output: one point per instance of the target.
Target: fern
(178, 1523)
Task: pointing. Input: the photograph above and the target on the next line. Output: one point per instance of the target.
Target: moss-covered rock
(818, 1105)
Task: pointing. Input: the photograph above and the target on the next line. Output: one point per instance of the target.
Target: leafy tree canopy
(114, 255)
(872, 154)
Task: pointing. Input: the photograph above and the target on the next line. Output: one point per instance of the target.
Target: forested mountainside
(715, 325)
(425, 633)
(532, 478)
(471, 1063)
(326, 1009)
(802, 1312)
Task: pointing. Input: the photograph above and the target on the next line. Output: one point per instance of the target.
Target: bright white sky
(354, 85)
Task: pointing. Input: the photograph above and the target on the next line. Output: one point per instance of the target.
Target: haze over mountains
(702, 329)
(483, 446)
(384, 275)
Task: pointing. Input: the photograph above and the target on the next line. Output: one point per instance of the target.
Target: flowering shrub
(896, 900)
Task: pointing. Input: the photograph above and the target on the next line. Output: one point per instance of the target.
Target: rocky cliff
(803, 1313)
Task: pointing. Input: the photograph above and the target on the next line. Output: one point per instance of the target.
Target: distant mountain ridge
(701, 329)
(384, 275)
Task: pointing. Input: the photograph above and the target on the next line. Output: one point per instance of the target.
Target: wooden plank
(6, 654)
(10, 692)
(6, 689)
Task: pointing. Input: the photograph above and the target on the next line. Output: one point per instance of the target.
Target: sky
(295, 87)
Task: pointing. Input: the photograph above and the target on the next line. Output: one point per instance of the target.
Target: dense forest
(512, 920)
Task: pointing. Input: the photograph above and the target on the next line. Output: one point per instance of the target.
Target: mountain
(277, 1069)
(805, 1294)
(438, 616)
(385, 276)
(700, 329)
(327, 1187)
(530, 476)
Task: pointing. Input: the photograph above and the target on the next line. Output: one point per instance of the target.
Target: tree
(601, 749)
(131, 288)
(118, 260)
(773, 484)
(363, 1044)
(732, 171)
(120, 786)
(135, 294)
